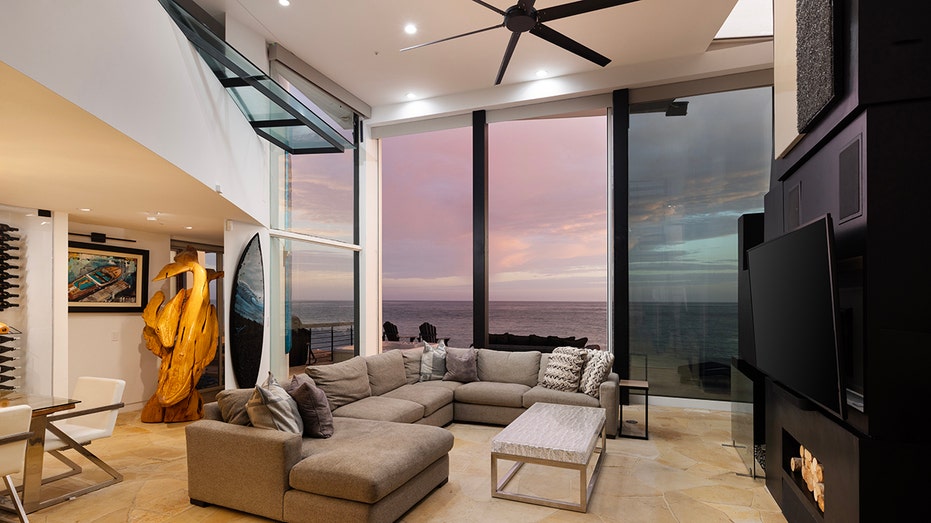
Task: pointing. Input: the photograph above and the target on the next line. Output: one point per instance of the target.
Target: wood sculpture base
(188, 409)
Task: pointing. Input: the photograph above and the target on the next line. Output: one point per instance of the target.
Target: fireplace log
(818, 491)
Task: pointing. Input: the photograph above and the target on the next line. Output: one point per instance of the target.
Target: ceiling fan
(522, 17)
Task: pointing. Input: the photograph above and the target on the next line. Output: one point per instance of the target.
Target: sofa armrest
(609, 397)
(243, 468)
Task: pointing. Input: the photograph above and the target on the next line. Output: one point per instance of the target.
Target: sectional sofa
(387, 450)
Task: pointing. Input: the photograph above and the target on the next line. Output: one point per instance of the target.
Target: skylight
(749, 18)
(274, 113)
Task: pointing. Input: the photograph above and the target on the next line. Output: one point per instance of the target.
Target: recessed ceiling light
(285, 3)
(85, 209)
(411, 96)
(542, 73)
(151, 218)
(410, 29)
(188, 227)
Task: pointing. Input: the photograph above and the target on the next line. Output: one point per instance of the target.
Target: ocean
(691, 332)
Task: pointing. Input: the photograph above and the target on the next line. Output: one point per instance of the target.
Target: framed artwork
(105, 278)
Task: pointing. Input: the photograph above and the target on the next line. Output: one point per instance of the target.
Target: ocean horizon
(696, 331)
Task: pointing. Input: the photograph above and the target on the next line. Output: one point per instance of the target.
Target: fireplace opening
(804, 467)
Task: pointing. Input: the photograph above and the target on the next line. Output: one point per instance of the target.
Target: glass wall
(320, 285)
(314, 241)
(696, 164)
(427, 234)
(548, 237)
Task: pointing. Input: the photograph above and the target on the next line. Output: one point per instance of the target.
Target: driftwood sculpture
(183, 333)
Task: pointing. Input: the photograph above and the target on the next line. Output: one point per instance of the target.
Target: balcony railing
(317, 343)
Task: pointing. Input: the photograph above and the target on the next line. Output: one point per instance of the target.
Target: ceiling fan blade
(453, 37)
(512, 43)
(557, 38)
(489, 6)
(576, 8)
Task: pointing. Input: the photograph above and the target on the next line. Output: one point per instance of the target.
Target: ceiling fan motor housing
(520, 21)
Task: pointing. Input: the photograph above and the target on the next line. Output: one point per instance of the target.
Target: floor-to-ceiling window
(314, 239)
(695, 165)
(547, 192)
(427, 233)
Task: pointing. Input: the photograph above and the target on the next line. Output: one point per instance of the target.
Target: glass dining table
(42, 407)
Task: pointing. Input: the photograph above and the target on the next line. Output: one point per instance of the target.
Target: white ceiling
(358, 44)
(57, 156)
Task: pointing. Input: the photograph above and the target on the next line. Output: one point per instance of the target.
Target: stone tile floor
(685, 472)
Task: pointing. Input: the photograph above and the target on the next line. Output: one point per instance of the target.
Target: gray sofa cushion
(545, 395)
(343, 382)
(383, 409)
(432, 398)
(508, 367)
(412, 359)
(361, 463)
(386, 371)
(492, 393)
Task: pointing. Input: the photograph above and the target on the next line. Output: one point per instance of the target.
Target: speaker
(749, 235)
(848, 182)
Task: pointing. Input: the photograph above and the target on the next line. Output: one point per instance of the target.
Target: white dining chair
(93, 418)
(14, 431)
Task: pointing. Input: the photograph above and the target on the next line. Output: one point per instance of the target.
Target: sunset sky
(547, 219)
(691, 178)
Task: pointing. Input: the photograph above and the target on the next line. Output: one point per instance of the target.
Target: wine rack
(11, 371)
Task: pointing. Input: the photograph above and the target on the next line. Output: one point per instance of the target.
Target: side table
(636, 385)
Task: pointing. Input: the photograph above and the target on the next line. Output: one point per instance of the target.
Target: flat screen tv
(796, 321)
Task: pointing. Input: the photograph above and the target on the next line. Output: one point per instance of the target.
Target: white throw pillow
(564, 369)
(433, 362)
(597, 368)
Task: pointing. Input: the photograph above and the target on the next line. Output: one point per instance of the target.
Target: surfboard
(247, 315)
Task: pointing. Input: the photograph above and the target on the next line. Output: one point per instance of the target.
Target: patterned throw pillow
(433, 362)
(271, 407)
(596, 370)
(564, 369)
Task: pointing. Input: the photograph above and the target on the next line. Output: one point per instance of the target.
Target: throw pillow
(596, 370)
(433, 361)
(271, 407)
(461, 365)
(343, 382)
(312, 405)
(564, 369)
(412, 358)
(232, 403)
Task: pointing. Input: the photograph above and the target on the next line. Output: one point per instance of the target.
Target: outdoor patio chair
(391, 332)
(428, 333)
